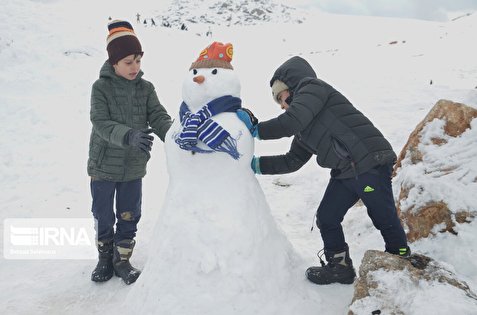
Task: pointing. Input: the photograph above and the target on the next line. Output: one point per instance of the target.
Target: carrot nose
(199, 79)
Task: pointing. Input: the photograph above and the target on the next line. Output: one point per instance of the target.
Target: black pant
(375, 190)
(128, 208)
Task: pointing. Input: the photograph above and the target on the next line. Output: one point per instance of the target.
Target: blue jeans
(375, 190)
(128, 208)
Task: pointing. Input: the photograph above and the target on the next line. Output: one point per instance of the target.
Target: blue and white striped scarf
(200, 126)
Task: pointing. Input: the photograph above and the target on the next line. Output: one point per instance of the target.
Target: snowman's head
(206, 84)
(210, 76)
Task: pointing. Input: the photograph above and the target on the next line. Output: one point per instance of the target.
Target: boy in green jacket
(123, 107)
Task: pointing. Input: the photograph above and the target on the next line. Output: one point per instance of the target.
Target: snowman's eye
(214, 71)
(194, 71)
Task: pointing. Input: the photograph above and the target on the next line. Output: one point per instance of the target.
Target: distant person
(183, 27)
(123, 107)
(324, 123)
(209, 32)
(145, 22)
(138, 18)
(153, 23)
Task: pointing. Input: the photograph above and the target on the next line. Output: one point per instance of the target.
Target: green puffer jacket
(117, 105)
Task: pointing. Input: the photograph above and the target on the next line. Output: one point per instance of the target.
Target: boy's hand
(249, 120)
(140, 139)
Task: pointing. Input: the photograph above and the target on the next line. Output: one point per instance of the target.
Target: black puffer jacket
(324, 123)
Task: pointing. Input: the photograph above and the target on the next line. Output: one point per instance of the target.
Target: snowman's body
(216, 248)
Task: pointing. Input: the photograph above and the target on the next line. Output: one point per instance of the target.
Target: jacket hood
(107, 71)
(292, 71)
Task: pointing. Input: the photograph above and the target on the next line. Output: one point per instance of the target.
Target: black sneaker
(401, 251)
(405, 251)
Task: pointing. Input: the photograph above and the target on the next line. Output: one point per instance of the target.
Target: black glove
(140, 139)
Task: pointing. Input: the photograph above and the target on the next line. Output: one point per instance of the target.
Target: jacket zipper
(126, 116)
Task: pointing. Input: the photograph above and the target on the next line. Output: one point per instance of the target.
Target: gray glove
(140, 139)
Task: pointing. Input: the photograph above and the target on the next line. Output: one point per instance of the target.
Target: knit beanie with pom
(122, 41)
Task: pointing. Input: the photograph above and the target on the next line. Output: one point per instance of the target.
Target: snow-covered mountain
(229, 13)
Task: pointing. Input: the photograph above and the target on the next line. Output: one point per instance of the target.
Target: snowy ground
(52, 52)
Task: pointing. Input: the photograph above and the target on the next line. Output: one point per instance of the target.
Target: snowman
(216, 248)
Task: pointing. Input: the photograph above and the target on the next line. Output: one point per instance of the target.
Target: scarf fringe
(229, 146)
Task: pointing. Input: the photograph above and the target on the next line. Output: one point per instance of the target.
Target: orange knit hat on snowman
(216, 55)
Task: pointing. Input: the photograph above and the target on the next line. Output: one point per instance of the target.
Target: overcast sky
(436, 10)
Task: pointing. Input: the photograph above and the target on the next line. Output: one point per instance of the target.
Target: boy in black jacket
(324, 123)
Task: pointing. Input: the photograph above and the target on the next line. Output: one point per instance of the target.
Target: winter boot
(122, 268)
(338, 270)
(104, 268)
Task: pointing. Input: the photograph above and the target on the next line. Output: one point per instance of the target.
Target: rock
(394, 285)
(457, 117)
(425, 175)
